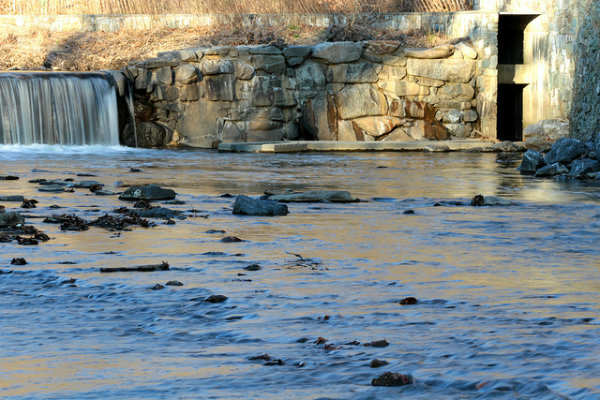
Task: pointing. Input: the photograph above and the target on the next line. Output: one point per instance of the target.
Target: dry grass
(105, 50)
(50, 7)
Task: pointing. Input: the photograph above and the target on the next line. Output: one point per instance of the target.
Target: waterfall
(58, 108)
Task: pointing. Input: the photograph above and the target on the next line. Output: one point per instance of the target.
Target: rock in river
(147, 192)
(532, 161)
(245, 205)
(564, 151)
(316, 196)
(10, 219)
(392, 379)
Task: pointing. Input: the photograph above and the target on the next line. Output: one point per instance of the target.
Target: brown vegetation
(88, 51)
(50, 7)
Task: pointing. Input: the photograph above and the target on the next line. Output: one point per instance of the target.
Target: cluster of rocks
(567, 158)
(346, 91)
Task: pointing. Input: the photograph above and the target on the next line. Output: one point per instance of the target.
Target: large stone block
(198, 123)
(360, 100)
(310, 76)
(449, 70)
(243, 71)
(216, 67)
(360, 72)
(269, 64)
(186, 73)
(400, 89)
(441, 51)
(297, 51)
(231, 132)
(220, 87)
(456, 91)
(337, 52)
(377, 126)
(162, 76)
(262, 91)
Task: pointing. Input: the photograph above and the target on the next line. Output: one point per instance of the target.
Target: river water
(508, 296)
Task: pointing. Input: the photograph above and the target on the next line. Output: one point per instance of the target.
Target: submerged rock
(51, 188)
(377, 363)
(316, 196)
(13, 199)
(18, 261)
(11, 219)
(392, 379)
(551, 170)
(245, 205)
(490, 201)
(147, 192)
(216, 298)
(580, 168)
(158, 212)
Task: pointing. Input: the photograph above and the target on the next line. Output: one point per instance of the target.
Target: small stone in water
(18, 261)
(69, 281)
(231, 239)
(215, 231)
(253, 267)
(408, 212)
(353, 343)
(26, 241)
(377, 343)
(408, 301)
(392, 379)
(8, 178)
(158, 286)
(29, 203)
(377, 363)
(135, 170)
(174, 283)
(276, 361)
(477, 201)
(216, 298)
(320, 340)
(226, 196)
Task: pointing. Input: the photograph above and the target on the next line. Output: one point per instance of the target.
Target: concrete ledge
(304, 146)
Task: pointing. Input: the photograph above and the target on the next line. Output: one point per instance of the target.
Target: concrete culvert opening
(510, 112)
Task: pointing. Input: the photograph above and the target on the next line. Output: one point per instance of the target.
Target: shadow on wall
(585, 113)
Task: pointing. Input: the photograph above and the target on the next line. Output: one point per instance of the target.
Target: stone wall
(585, 115)
(342, 91)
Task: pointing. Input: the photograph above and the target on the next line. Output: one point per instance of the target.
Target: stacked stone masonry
(345, 91)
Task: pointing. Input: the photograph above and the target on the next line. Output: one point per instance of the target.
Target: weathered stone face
(360, 72)
(359, 101)
(446, 70)
(337, 52)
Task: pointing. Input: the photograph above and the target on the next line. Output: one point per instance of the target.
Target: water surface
(508, 296)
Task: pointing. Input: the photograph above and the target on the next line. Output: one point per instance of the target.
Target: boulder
(377, 126)
(467, 50)
(245, 205)
(216, 67)
(86, 184)
(147, 192)
(548, 130)
(316, 196)
(11, 219)
(337, 52)
(564, 150)
(580, 168)
(532, 161)
(297, 51)
(534, 143)
(552, 170)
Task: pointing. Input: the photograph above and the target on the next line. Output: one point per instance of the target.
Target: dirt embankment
(89, 51)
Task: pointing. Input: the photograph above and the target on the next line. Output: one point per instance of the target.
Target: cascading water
(58, 108)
